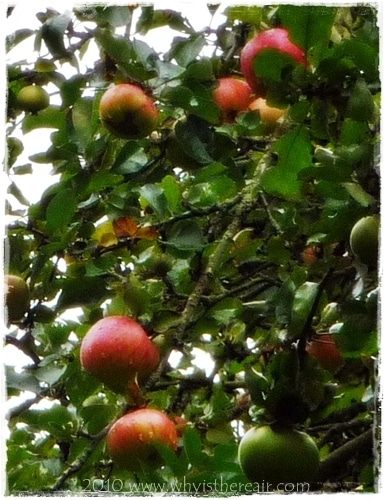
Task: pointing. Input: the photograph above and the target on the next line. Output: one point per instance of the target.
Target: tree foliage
(232, 262)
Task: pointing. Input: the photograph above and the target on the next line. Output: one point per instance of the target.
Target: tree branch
(330, 468)
(79, 463)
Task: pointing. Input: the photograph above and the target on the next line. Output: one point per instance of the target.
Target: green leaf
(193, 447)
(58, 421)
(85, 119)
(117, 47)
(60, 210)
(154, 196)
(81, 291)
(185, 236)
(249, 15)
(283, 301)
(201, 70)
(227, 310)
(23, 381)
(51, 117)
(309, 26)
(172, 193)
(186, 51)
(194, 136)
(17, 37)
(52, 33)
(151, 19)
(71, 90)
(131, 159)
(302, 304)
(364, 57)
(357, 336)
(272, 65)
(276, 250)
(294, 154)
(102, 180)
(51, 373)
(257, 385)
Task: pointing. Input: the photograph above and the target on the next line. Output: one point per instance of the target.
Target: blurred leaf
(309, 26)
(247, 14)
(117, 47)
(194, 137)
(131, 159)
(61, 210)
(53, 31)
(81, 291)
(302, 304)
(51, 117)
(272, 65)
(102, 180)
(154, 196)
(24, 381)
(17, 37)
(172, 193)
(71, 90)
(51, 373)
(84, 121)
(184, 51)
(357, 336)
(257, 385)
(151, 19)
(105, 235)
(57, 420)
(186, 236)
(362, 55)
(293, 151)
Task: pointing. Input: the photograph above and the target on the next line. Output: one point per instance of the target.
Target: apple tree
(221, 228)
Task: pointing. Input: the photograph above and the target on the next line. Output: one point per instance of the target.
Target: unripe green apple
(16, 297)
(275, 38)
(117, 351)
(15, 148)
(32, 98)
(364, 240)
(232, 95)
(279, 455)
(127, 112)
(132, 440)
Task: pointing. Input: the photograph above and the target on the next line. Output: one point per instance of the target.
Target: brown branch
(330, 468)
(25, 405)
(78, 464)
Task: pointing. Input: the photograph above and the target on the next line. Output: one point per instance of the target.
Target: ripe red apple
(324, 349)
(132, 439)
(275, 38)
(126, 111)
(116, 350)
(232, 95)
(269, 115)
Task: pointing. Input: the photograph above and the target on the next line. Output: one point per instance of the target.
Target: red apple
(116, 350)
(132, 439)
(275, 38)
(232, 95)
(126, 111)
(324, 349)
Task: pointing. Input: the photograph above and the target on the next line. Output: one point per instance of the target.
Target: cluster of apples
(128, 112)
(118, 352)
